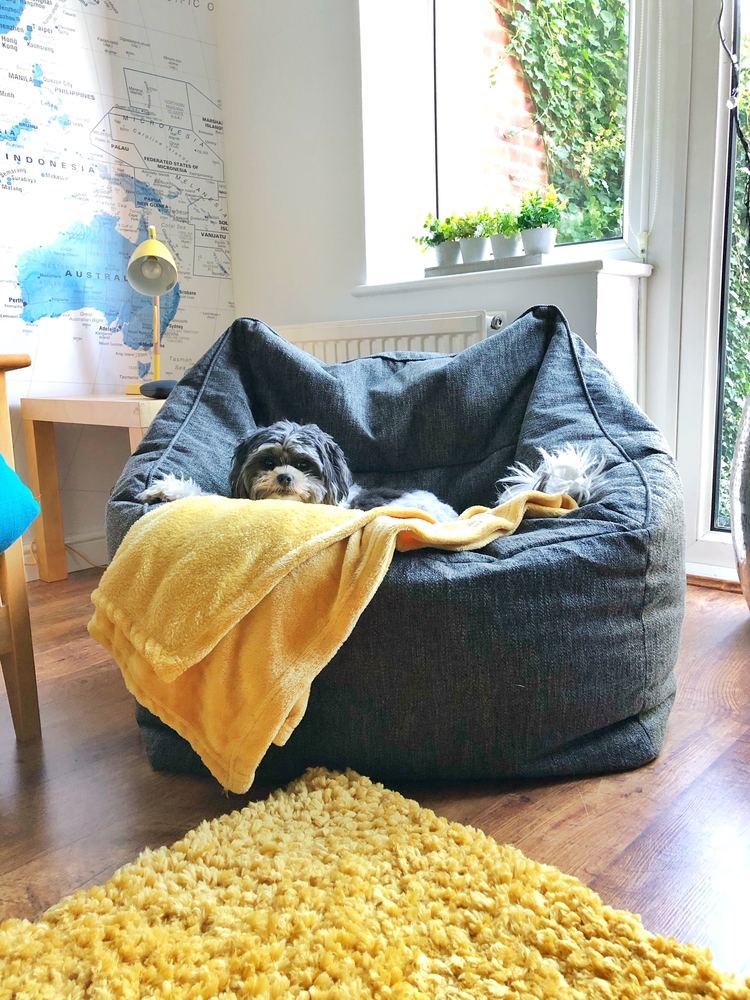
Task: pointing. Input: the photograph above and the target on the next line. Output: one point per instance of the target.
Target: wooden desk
(39, 416)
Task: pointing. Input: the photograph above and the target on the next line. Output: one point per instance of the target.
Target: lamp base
(159, 389)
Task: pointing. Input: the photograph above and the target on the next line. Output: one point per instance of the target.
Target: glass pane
(530, 93)
(735, 361)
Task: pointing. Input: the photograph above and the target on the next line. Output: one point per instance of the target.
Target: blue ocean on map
(10, 14)
(12, 134)
(85, 268)
(139, 192)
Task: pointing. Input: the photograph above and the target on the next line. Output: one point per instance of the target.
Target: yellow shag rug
(337, 887)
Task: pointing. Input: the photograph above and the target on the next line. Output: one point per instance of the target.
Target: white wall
(290, 77)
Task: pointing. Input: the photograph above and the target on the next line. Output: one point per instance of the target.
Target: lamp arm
(157, 339)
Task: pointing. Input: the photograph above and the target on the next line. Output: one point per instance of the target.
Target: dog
(300, 462)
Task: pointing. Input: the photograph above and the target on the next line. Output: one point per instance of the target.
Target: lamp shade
(151, 269)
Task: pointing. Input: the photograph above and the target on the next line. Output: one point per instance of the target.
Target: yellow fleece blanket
(220, 613)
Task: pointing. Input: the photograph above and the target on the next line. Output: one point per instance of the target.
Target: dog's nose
(284, 479)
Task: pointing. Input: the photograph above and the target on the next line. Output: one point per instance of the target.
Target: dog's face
(288, 461)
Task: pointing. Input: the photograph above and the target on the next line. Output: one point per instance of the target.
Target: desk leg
(136, 436)
(42, 459)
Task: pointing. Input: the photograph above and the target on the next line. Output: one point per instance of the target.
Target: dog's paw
(170, 488)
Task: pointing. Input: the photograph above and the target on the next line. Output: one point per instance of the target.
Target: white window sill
(611, 257)
(712, 554)
(710, 572)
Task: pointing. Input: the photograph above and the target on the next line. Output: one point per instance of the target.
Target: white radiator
(447, 333)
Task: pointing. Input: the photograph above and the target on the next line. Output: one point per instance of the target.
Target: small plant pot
(540, 240)
(505, 246)
(447, 253)
(474, 249)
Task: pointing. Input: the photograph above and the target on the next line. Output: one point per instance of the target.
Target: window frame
(677, 176)
(378, 273)
(709, 552)
(732, 139)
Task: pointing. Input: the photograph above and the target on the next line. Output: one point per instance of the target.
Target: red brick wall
(514, 150)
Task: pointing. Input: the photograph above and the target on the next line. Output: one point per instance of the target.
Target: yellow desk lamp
(152, 271)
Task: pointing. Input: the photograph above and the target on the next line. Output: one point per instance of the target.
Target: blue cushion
(18, 508)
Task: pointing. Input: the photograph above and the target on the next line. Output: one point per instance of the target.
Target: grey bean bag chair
(549, 652)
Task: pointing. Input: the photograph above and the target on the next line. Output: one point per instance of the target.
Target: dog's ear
(338, 477)
(243, 451)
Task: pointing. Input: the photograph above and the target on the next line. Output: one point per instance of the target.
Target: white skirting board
(712, 572)
(93, 547)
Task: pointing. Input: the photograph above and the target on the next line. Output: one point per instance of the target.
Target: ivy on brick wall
(737, 363)
(573, 54)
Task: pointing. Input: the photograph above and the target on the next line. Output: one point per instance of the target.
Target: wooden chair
(16, 650)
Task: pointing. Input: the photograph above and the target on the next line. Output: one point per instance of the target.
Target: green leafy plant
(504, 222)
(737, 350)
(574, 57)
(438, 231)
(473, 224)
(540, 209)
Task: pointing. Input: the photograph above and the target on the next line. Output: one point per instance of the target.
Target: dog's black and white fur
(572, 469)
(288, 461)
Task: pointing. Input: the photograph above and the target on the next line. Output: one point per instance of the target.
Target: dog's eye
(303, 465)
(268, 463)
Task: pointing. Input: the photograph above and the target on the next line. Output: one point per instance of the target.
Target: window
(734, 367)
(531, 93)
(470, 103)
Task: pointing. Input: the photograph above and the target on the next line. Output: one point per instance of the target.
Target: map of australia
(110, 121)
(86, 267)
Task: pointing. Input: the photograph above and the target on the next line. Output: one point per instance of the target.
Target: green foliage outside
(737, 364)
(574, 55)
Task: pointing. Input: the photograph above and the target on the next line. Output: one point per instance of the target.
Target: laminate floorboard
(670, 841)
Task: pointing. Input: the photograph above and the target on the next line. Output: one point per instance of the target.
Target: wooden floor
(670, 841)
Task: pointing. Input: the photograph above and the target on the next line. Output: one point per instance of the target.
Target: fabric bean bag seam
(647, 734)
(635, 530)
(199, 394)
(646, 660)
(596, 416)
(470, 558)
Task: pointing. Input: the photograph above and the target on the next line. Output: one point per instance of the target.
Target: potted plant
(504, 235)
(538, 219)
(441, 236)
(470, 230)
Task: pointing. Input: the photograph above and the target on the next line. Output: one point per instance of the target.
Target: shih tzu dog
(288, 461)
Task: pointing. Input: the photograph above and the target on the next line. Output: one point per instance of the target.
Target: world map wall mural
(110, 121)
